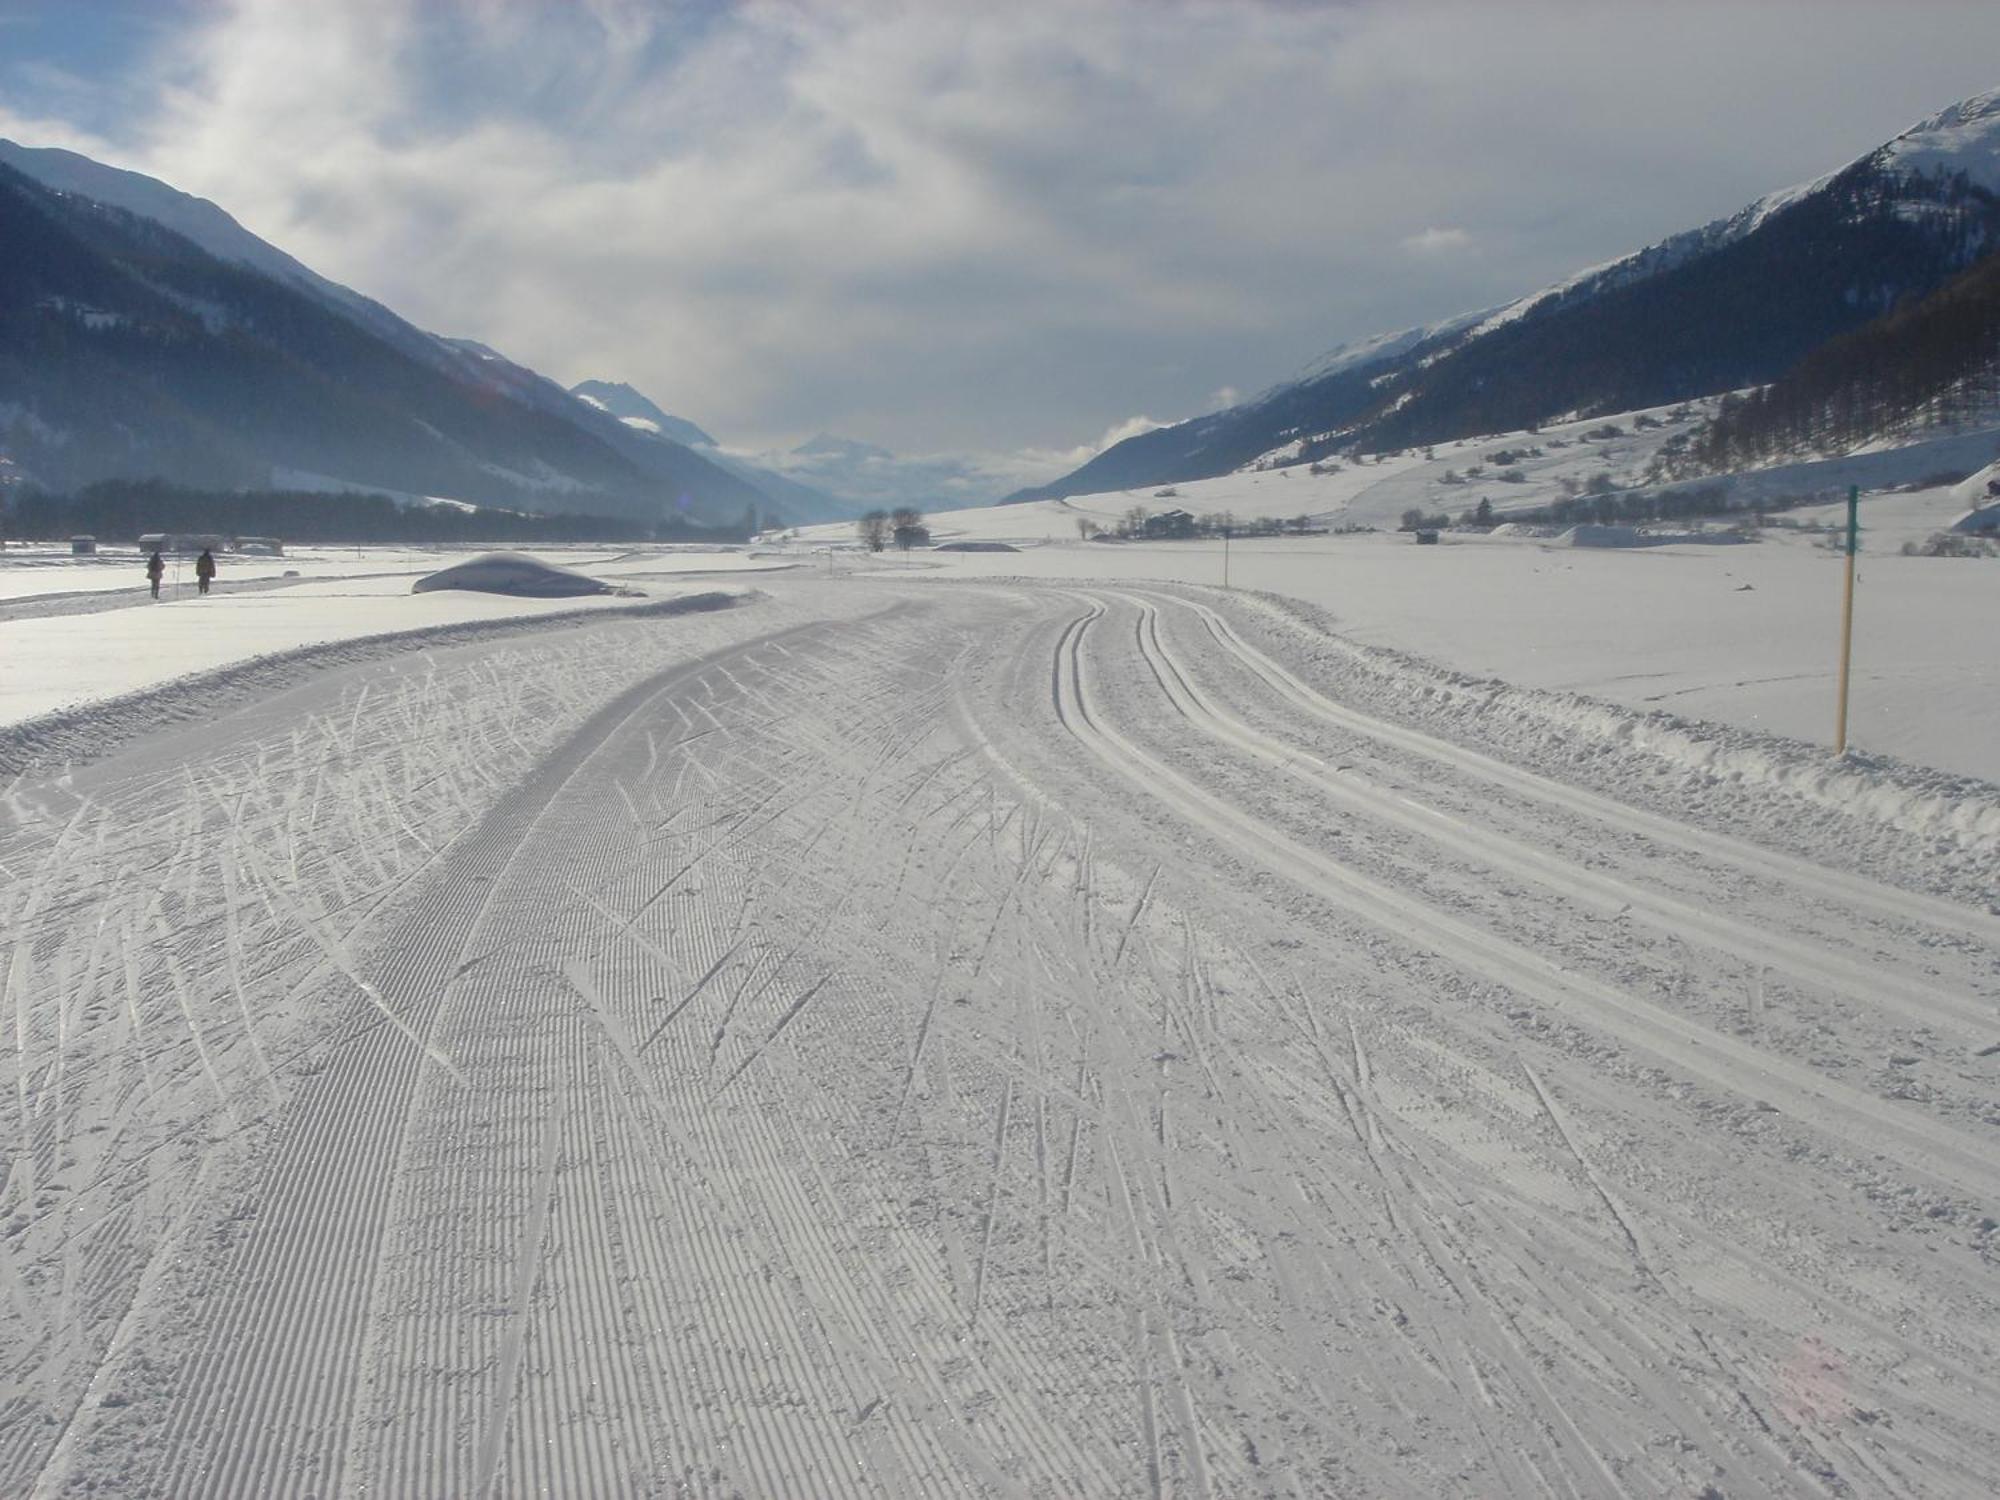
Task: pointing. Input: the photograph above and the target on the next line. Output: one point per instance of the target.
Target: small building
(1171, 524)
(83, 546)
(186, 543)
(1427, 538)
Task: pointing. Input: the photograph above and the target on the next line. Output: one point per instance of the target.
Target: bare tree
(874, 529)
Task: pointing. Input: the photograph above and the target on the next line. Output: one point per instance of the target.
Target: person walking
(156, 569)
(204, 570)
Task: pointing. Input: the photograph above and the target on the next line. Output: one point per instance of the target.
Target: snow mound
(975, 547)
(515, 574)
(1594, 535)
(1603, 536)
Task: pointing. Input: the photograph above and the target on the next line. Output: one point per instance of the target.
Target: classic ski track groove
(1918, 1000)
(1834, 885)
(1849, 1114)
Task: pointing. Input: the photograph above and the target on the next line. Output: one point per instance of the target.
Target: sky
(996, 236)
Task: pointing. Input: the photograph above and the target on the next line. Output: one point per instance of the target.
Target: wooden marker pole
(1847, 617)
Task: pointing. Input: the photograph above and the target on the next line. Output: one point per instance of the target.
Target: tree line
(1931, 363)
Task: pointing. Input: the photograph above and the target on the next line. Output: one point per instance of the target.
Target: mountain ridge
(213, 350)
(1728, 304)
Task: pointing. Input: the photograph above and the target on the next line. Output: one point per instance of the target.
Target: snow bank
(1592, 535)
(514, 574)
(1739, 778)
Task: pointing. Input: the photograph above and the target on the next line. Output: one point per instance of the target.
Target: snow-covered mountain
(826, 476)
(635, 410)
(1731, 304)
(144, 332)
(790, 500)
(872, 477)
(826, 446)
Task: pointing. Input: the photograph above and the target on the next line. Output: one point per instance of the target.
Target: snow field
(992, 1038)
(57, 662)
(1744, 636)
(48, 575)
(39, 571)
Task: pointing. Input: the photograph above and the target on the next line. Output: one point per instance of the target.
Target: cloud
(1436, 241)
(1131, 427)
(978, 229)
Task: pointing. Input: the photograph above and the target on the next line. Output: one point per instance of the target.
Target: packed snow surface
(72, 636)
(924, 1033)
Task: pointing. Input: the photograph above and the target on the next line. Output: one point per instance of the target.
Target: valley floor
(939, 1036)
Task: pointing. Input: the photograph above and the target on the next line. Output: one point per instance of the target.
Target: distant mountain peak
(636, 410)
(1980, 107)
(828, 446)
(1962, 138)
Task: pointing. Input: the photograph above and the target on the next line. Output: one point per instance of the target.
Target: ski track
(968, 1040)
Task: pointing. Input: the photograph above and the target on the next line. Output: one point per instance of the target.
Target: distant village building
(1169, 524)
(83, 546)
(183, 542)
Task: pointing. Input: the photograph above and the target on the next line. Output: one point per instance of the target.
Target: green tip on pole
(1853, 519)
